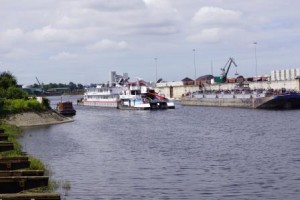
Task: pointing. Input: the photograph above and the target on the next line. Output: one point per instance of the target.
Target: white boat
(105, 95)
(120, 93)
(138, 96)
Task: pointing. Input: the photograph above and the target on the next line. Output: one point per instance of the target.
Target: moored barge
(266, 99)
(66, 108)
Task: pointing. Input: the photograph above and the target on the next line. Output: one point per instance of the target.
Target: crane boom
(41, 86)
(225, 71)
(38, 81)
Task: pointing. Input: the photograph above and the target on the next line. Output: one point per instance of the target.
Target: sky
(59, 41)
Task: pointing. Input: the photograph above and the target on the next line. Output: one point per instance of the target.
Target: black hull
(288, 101)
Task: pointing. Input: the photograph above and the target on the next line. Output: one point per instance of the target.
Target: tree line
(13, 99)
(71, 86)
(9, 87)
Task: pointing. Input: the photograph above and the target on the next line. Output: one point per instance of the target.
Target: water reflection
(186, 153)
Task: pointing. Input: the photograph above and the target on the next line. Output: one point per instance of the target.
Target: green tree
(72, 86)
(2, 93)
(15, 93)
(7, 80)
(80, 86)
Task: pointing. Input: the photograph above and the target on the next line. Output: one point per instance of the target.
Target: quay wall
(240, 103)
(177, 90)
(224, 102)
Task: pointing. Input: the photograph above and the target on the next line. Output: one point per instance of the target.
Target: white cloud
(213, 24)
(211, 35)
(114, 5)
(213, 16)
(108, 45)
(11, 36)
(51, 34)
(16, 53)
(64, 56)
(149, 28)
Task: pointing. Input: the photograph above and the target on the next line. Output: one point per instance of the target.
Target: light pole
(255, 43)
(194, 50)
(155, 69)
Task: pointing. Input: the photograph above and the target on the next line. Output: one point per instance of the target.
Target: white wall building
(285, 74)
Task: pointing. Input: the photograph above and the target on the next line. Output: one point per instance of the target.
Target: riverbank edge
(31, 119)
(14, 126)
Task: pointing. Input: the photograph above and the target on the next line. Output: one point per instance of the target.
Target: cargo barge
(66, 108)
(265, 99)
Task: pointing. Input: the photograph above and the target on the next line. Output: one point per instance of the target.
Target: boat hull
(106, 104)
(239, 103)
(284, 101)
(68, 112)
(287, 101)
(147, 106)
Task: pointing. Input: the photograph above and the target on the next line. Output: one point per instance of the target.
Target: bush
(2, 93)
(12, 106)
(46, 103)
(15, 93)
(7, 80)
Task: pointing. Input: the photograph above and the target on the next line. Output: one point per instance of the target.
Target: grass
(36, 164)
(14, 133)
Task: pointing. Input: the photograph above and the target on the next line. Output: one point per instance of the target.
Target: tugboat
(66, 108)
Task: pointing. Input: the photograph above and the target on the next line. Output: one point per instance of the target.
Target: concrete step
(9, 173)
(14, 163)
(42, 196)
(16, 184)
(6, 146)
(3, 137)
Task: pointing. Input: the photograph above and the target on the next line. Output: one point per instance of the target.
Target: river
(185, 153)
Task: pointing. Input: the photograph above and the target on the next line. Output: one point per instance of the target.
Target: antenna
(212, 67)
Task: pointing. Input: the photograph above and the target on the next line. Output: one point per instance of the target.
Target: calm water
(186, 153)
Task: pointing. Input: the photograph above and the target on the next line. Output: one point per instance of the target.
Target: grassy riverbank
(14, 133)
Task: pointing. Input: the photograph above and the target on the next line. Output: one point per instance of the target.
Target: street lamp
(194, 50)
(255, 43)
(155, 69)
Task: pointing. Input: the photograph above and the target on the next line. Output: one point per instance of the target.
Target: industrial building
(286, 78)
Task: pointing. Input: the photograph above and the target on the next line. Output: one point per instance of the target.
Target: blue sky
(82, 41)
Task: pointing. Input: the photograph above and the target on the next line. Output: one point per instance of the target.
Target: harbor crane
(226, 68)
(41, 86)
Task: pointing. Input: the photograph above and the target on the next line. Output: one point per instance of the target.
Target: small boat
(140, 97)
(66, 108)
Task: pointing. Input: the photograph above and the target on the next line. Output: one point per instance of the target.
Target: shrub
(46, 103)
(2, 93)
(15, 93)
(11, 106)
